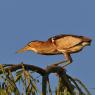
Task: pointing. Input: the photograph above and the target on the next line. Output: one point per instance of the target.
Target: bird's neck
(44, 47)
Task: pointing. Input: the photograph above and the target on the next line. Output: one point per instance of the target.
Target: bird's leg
(67, 62)
(67, 58)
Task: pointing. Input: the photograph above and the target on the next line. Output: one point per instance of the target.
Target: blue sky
(24, 20)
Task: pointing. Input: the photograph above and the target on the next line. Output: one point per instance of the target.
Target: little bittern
(60, 44)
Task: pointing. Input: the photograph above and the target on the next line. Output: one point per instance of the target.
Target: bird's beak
(26, 48)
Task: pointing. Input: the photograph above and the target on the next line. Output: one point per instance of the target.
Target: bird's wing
(66, 41)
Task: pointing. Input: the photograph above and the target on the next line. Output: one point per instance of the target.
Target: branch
(47, 71)
(28, 67)
(66, 81)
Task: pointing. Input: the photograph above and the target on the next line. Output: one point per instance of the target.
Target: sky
(22, 21)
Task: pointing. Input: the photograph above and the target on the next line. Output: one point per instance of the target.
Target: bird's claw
(57, 64)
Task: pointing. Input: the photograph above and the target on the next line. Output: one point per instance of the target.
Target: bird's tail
(23, 49)
(88, 40)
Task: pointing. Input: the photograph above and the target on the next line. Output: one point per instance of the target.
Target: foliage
(20, 79)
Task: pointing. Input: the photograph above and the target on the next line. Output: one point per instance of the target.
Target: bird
(65, 44)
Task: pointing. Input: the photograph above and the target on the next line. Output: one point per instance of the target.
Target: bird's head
(35, 44)
(31, 46)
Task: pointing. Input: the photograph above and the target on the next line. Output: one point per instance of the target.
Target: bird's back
(68, 41)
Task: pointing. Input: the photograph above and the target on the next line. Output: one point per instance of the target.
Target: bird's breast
(46, 49)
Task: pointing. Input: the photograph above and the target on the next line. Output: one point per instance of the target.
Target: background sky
(24, 20)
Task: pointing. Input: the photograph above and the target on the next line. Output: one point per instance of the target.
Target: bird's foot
(62, 64)
(58, 63)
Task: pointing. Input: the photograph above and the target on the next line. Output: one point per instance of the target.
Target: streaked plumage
(60, 44)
